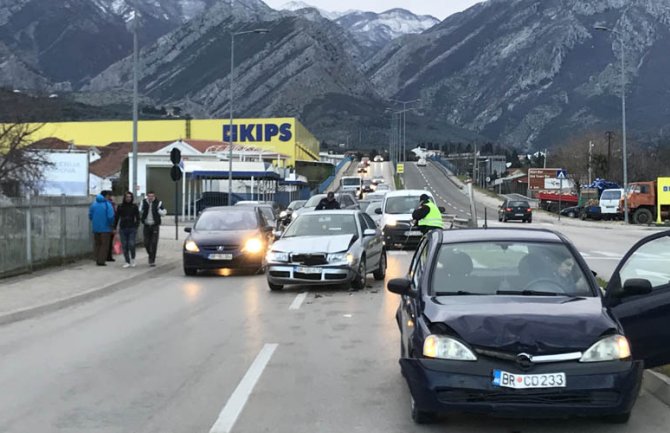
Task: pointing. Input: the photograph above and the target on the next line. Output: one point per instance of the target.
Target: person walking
(101, 215)
(427, 216)
(128, 220)
(328, 202)
(151, 212)
(110, 199)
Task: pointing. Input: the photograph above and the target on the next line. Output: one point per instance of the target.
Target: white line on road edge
(233, 408)
(297, 302)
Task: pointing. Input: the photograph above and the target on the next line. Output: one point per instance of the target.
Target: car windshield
(401, 205)
(351, 181)
(224, 221)
(322, 224)
(508, 268)
(314, 200)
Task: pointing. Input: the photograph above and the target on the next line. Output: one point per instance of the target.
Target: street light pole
(403, 122)
(135, 183)
(230, 131)
(623, 116)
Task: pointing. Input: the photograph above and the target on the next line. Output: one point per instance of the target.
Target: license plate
(519, 214)
(528, 381)
(413, 233)
(221, 257)
(308, 270)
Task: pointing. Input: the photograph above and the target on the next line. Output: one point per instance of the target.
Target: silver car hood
(313, 244)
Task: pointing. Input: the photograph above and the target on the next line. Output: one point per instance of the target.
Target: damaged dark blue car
(511, 322)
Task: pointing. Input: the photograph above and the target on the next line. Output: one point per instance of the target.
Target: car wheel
(275, 287)
(529, 220)
(571, 214)
(380, 273)
(499, 219)
(421, 416)
(504, 219)
(358, 282)
(620, 418)
(190, 272)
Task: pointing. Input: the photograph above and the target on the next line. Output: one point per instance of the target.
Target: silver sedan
(329, 247)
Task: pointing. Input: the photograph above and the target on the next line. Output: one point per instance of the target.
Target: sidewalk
(54, 288)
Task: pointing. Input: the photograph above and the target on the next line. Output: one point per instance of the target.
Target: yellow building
(283, 135)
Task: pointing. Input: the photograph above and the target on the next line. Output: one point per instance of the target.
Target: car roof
(501, 234)
(332, 211)
(408, 192)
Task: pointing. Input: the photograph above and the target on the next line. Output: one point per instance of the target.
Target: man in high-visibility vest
(427, 215)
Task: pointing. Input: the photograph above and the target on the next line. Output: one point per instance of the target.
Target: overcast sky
(438, 8)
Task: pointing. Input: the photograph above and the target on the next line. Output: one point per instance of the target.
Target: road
(217, 354)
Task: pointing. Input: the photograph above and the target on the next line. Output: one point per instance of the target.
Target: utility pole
(610, 136)
(474, 162)
(590, 162)
(546, 152)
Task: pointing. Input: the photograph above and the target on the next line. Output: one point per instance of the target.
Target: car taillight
(530, 209)
(509, 209)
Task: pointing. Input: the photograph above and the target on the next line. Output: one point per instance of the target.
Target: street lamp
(133, 170)
(230, 132)
(623, 115)
(404, 123)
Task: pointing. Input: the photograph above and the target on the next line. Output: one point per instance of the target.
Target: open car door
(638, 294)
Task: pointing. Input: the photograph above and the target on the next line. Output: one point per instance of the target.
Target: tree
(20, 166)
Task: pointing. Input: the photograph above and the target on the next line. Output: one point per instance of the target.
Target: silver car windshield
(322, 225)
(508, 268)
(401, 205)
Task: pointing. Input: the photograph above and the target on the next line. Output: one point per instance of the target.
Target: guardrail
(453, 222)
(329, 180)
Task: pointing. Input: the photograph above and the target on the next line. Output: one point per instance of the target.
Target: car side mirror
(378, 211)
(188, 229)
(636, 287)
(277, 233)
(369, 232)
(595, 274)
(401, 286)
(442, 209)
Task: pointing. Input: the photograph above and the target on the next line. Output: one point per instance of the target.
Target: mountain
(298, 5)
(374, 31)
(532, 73)
(173, 11)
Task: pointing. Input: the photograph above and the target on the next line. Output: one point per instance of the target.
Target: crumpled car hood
(314, 244)
(514, 324)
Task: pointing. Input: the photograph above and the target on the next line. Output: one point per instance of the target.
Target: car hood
(314, 244)
(222, 237)
(515, 324)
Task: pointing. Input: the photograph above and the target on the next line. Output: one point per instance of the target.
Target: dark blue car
(512, 322)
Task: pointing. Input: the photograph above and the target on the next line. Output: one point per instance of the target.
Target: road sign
(400, 168)
(561, 174)
(175, 156)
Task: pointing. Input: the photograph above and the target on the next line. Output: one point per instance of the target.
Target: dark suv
(515, 210)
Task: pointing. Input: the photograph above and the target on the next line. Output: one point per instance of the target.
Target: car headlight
(277, 256)
(391, 223)
(610, 348)
(441, 347)
(191, 246)
(283, 214)
(253, 246)
(341, 257)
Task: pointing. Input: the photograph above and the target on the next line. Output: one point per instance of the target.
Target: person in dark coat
(151, 212)
(101, 214)
(127, 221)
(328, 202)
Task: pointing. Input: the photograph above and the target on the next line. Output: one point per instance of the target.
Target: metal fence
(42, 230)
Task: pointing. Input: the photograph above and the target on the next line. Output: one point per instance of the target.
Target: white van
(609, 203)
(396, 221)
(351, 184)
(422, 162)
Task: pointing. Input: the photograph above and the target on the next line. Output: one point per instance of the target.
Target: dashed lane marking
(297, 302)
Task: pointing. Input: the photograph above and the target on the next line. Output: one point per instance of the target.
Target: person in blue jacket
(101, 214)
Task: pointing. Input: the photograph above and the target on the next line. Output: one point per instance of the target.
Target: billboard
(67, 174)
(546, 178)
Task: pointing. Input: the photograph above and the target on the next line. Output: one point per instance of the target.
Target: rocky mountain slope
(532, 73)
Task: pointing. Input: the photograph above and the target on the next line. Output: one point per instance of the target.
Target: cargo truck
(648, 201)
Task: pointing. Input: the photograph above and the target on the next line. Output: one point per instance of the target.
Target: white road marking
(297, 302)
(616, 259)
(238, 399)
(585, 254)
(606, 253)
(397, 253)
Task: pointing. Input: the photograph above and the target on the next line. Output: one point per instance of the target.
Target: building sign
(67, 174)
(544, 178)
(258, 132)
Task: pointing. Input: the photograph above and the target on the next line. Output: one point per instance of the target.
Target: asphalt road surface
(224, 354)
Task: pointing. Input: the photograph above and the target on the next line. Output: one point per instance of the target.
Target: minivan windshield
(401, 205)
(508, 268)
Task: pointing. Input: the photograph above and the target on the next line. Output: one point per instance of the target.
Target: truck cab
(643, 202)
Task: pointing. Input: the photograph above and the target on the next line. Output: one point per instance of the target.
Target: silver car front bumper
(286, 274)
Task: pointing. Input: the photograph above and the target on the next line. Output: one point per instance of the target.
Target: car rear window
(518, 204)
(505, 268)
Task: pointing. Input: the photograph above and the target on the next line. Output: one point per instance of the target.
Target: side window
(419, 263)
(344, 201)
(371, 224)
(644, 189)
(361, 223)
(649, 262)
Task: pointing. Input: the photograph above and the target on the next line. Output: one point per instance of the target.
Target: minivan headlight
(253, 246)
(612, 348)
(191, 246)
(441, 347)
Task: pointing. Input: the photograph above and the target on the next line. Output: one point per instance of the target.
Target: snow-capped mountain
(298, 5)
(375, 30)
(175, 11)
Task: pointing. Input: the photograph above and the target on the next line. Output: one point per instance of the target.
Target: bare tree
(21, 167)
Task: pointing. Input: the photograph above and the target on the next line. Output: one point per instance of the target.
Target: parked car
(583, 212)
(513, 322)
(227, 237)
(327, 248)
(515, 210)
(346, 200)
(571, 212)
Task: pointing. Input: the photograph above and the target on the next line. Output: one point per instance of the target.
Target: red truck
(643, 201)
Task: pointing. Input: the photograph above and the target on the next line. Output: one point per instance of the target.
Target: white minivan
(609, 203)
(396, 221)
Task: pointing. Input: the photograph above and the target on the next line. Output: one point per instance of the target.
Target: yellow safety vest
(434, 217)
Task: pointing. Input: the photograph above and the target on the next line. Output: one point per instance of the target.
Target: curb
(89, 295)
(657, 385)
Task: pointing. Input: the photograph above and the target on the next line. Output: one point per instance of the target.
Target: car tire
(499, 219)
(421, 416)
(275, 287)
(504, 219)
(358, 282)
(572, 215)
(619, 418)
(380, 273)
(529, 220)
(190, 272)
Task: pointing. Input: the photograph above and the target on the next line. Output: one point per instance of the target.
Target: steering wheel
(545, 281)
